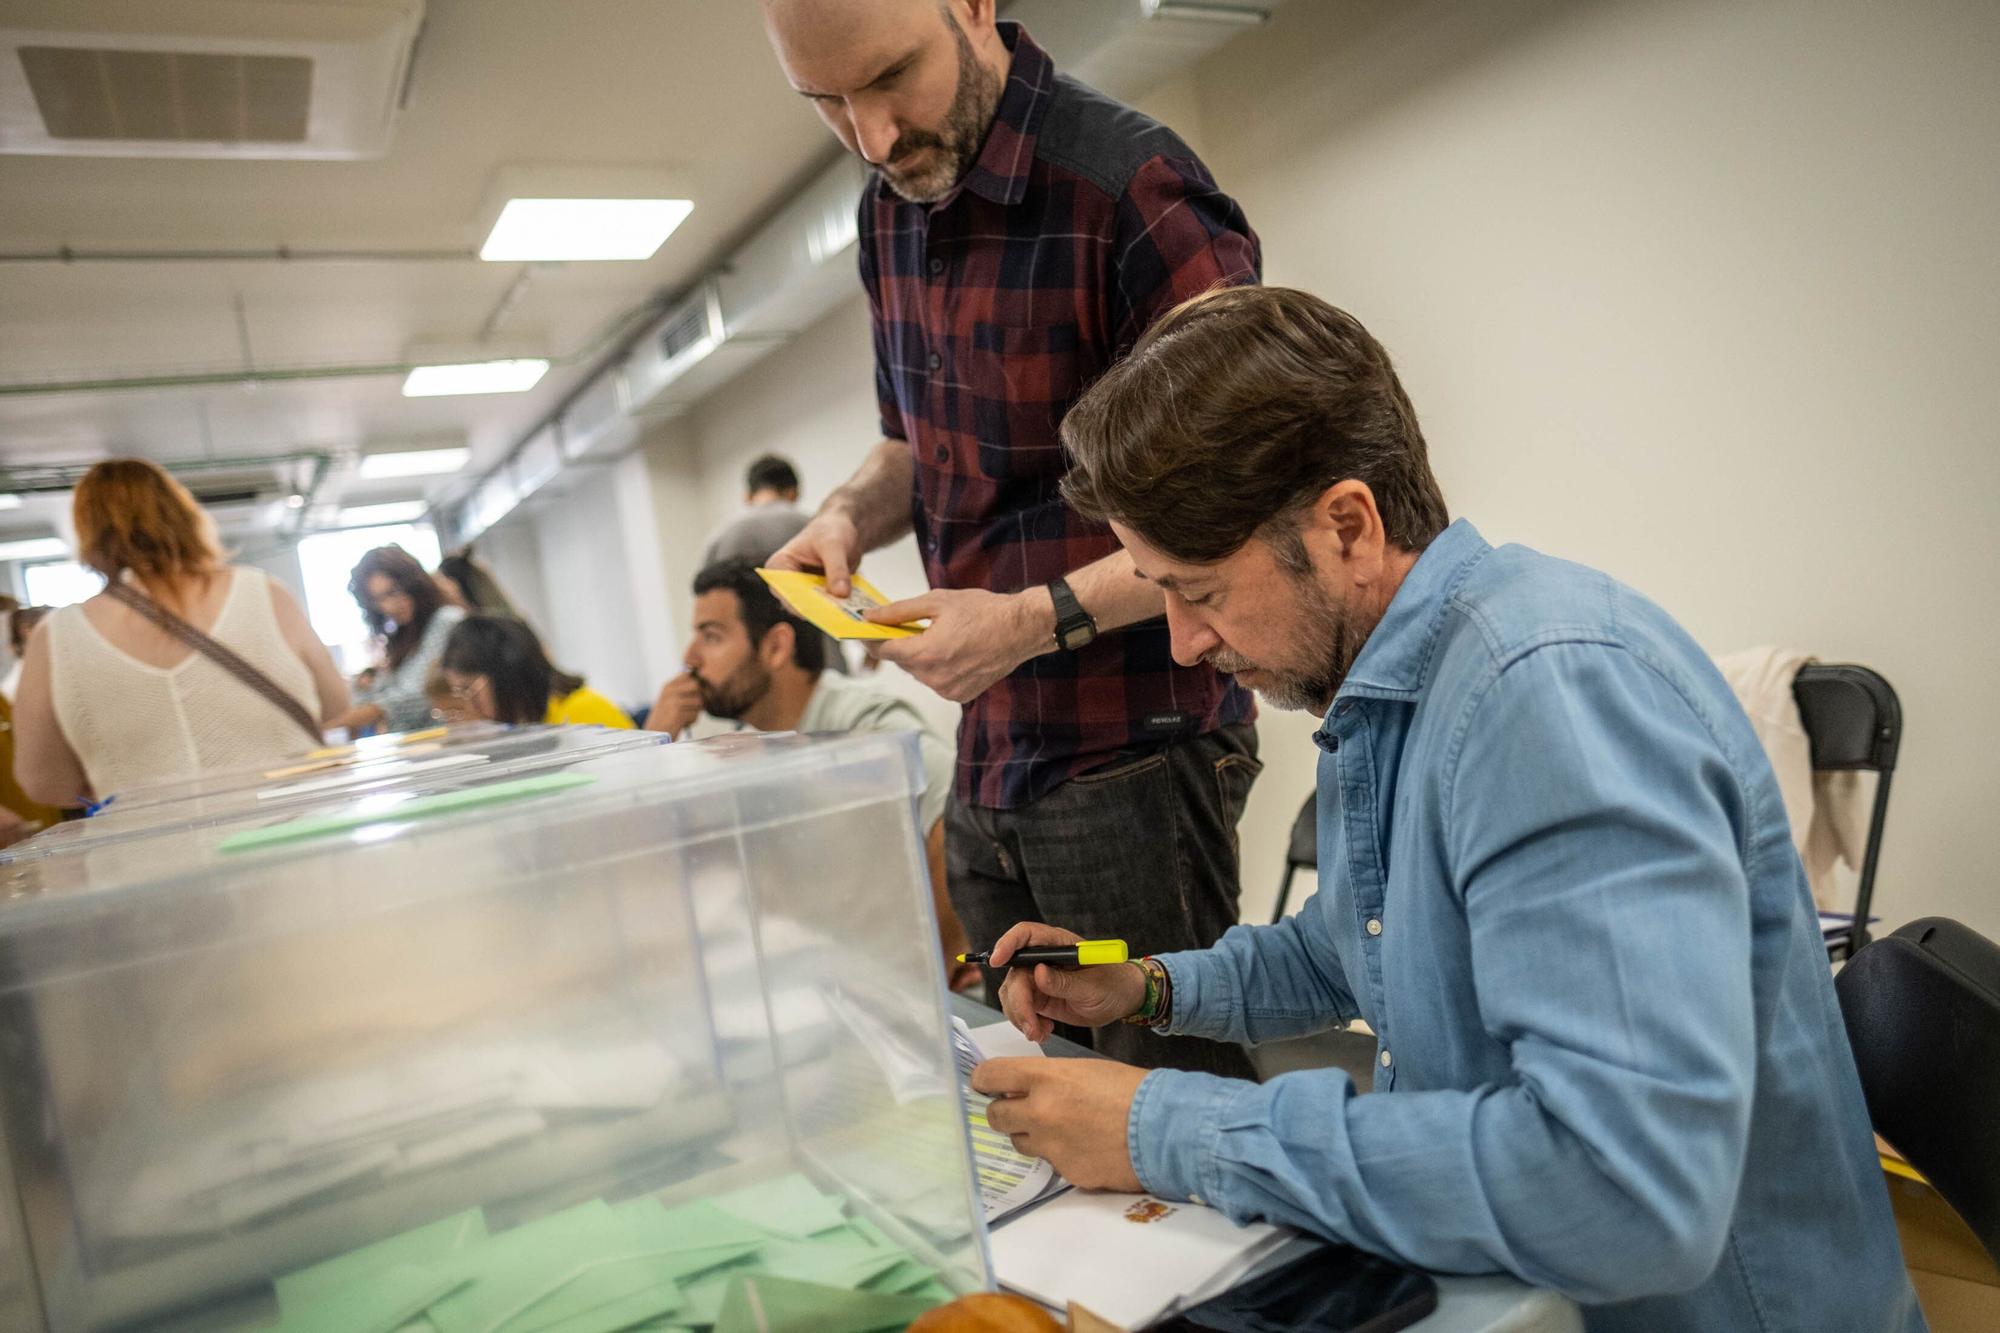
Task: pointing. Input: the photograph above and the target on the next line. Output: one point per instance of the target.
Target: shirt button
(943, 454)
(937, 267)
(1374, 926)
(937, 361)
(1385, 1060)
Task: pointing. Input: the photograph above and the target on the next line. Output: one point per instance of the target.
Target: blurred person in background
(446, 707)
(752, 661)
(8, 606)
(21, 622)
(19, 816)
(471, 587)
(112, 698)
(771, 517)
(407, 613)
(493, 669)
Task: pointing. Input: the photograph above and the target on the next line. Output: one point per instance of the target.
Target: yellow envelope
(807, 595)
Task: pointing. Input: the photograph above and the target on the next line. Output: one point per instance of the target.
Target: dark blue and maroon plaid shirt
(1079, 223)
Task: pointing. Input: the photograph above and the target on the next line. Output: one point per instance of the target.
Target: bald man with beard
(1020, 232)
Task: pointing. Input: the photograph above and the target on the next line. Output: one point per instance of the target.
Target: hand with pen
(1072, 1112)
(1036, 998)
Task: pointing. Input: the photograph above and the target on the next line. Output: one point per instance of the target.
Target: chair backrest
(1301, 853)
(1851, 716)
(1304, 850)
(1853, 721)
(1922, 1008)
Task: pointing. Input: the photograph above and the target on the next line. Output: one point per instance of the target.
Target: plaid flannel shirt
(1080, 222)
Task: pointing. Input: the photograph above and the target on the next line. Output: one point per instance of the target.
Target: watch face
(1077, 636)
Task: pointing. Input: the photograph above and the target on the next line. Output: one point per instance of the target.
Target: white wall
(591, 620)
(684, 515)
(282, 566)
(1702, 293)
(510, 550)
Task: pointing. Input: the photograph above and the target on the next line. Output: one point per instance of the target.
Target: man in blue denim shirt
(1556, 880)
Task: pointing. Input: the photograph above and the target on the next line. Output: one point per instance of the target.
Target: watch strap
(1070, 615)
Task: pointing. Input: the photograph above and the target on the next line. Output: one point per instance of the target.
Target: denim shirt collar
(1395, 660)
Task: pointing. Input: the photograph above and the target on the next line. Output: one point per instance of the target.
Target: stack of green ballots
(778, 1256)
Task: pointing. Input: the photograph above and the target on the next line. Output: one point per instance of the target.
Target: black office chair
(1303, 854)
(1853, 722)
(1922, 1008)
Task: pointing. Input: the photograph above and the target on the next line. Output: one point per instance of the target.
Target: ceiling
(683, 88)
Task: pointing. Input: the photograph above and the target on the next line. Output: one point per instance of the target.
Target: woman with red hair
(114, 692)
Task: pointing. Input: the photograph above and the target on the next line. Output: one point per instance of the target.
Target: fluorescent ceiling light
(1206, 12)
(413, 463)
(35, 548)
(10, 501)
(570, 229)
(372, 516)
(475, 377)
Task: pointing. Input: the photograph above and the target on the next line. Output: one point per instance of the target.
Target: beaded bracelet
(1154, 1010)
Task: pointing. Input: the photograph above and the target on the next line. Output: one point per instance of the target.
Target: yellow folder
(841, 617)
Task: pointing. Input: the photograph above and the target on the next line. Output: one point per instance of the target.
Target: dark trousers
(1143, 850)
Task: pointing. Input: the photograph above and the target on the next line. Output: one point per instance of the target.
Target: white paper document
(998, 1040)
(1130, 1258)
(1007, 1180)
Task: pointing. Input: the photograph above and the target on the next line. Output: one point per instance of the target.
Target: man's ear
(1347, 512)
(779, 645)
(1343, 529)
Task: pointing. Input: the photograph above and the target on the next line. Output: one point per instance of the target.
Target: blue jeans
(1142, 849)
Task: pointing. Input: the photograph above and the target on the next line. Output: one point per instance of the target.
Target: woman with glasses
(493, 668)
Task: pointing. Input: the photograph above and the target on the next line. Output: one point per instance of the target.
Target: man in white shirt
(753, 662)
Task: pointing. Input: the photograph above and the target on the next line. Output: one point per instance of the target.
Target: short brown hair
(131, 514)
(1234, 411)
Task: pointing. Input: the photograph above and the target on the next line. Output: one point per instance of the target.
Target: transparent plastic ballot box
(659, 1036)
(401, 749)
(284, 793)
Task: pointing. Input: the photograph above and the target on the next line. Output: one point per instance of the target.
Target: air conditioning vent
(202, 78)
(684, 329)
(686, 336)
(168, 96)
(228, 496)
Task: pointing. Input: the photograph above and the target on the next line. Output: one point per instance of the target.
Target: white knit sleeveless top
(132, 724)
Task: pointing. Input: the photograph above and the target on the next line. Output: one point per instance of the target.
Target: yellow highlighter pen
(1084, 953)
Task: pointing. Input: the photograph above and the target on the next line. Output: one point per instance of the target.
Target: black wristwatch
(1074, 627)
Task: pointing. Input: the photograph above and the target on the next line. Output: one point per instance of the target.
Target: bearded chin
(718, 703)
(1300, 696)
(1336, 635)
(930, 186)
